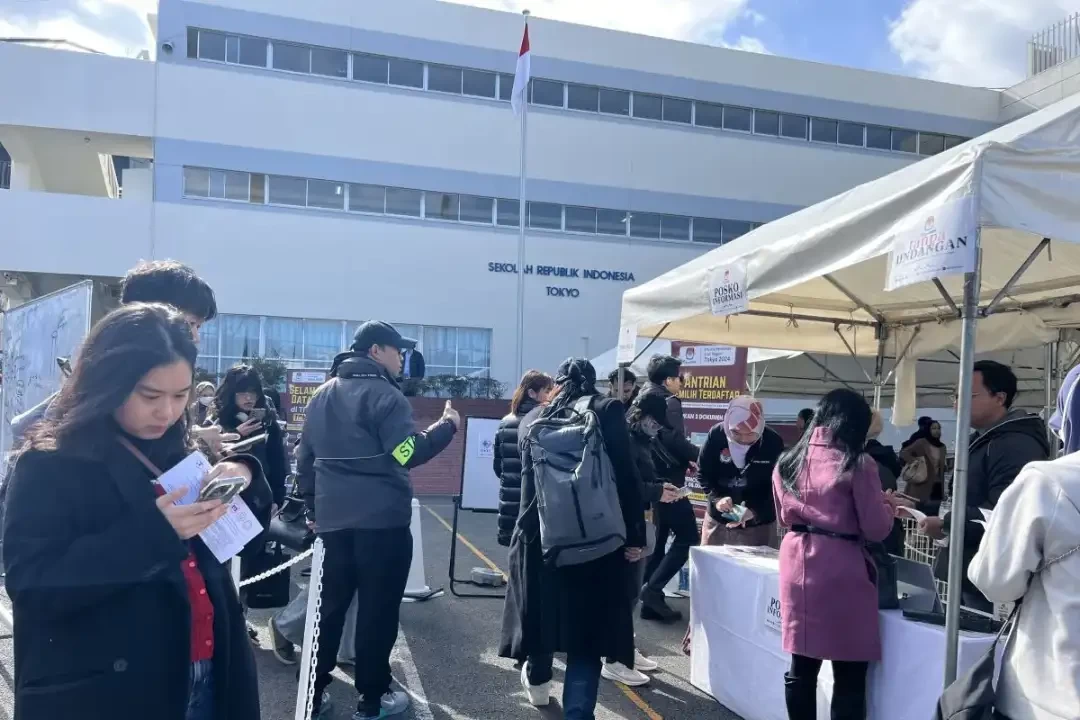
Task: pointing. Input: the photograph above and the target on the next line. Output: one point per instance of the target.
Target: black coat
(582, 609)
(681, 450)
(270, 452)
(93, 571)
(751, 485)
(507, 465)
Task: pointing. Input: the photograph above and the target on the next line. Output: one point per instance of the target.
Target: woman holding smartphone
(123, 611)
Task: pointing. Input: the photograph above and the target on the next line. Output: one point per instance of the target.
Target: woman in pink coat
(828, 493)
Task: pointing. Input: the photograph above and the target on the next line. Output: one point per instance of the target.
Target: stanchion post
(304, 689)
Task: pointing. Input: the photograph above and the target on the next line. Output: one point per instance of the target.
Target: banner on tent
(627, 347)
(712, 376)
(300, 386)
(943, 243)
(727, 289)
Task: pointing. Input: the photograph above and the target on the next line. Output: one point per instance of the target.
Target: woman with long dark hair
(240, 407)
(123, 611)
(583, 610)
(828, 493)
(534, 390)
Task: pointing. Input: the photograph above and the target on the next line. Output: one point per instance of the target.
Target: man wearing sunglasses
(358, 445)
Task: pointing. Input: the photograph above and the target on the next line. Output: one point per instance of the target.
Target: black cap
(380, 333)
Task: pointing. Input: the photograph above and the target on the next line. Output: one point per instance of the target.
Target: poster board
(479, 484)
(300, 385)
(35, 334)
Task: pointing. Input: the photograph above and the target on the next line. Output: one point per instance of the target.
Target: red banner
(712, 376)
(300, 386)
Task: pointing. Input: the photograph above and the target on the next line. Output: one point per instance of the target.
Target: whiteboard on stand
(479, 484)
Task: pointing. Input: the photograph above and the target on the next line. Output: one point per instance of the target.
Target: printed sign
(727, 290)
(486, 449)
(771, 614)
(708, 355)
(300, 386)
(627, 344)
(943, 243)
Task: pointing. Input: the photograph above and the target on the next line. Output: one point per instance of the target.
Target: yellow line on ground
(475, 550)
(641, 704)
(634, 697)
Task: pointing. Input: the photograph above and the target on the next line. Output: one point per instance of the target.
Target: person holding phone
(123, 611)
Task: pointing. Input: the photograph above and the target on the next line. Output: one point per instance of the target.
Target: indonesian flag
(522, 75)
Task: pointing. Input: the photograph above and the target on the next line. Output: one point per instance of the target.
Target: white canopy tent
(814, 280)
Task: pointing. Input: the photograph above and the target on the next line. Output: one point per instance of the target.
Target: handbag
(915, 472)
(972, 696)
(273, 592)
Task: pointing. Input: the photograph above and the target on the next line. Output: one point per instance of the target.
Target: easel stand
(453, 560)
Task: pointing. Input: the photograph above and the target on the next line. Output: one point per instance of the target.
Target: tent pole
(1051, 393)
(972, 282)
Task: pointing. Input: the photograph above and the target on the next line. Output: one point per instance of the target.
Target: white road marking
(411, 685)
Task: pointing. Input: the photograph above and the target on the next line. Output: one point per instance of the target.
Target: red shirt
(202, 609)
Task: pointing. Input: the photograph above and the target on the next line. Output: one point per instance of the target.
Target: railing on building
(5, 174)
(1054, 45)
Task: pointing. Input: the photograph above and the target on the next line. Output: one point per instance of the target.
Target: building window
(322, 341)
(294, 58)
(506, 87)
(239, 338)
(283, 338)
(367, 198)
(545, 216)
(645, 226)
(709, 115)
(734, 229)
(288, 190)
(905, 141)
(547, 92)
(330, 63)
(444, 79)
(793, 126)
(823, 131)
(371, 68)
(952, 141)
(680, 111)
(674, 227)
(649, 107)
(476, 209)
(440, 350)
(766, 122)
(508, 212)
(478, 83)
(738, 118)
(400, 201)
(211, 46)
(878, 137)
(611, 222)
(406, 73)
(583, 97)
(708, 230)
(614, 102)
(216, 184)
(196, 182)
(580, 219)
(326, 194)
(850, 134)
(441, 206)
(931, 144)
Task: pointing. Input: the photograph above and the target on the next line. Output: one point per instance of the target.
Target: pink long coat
(828, 594)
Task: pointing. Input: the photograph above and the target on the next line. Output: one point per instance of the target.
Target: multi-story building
(326, 162)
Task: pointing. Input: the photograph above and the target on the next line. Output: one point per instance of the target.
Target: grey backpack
(576, 495)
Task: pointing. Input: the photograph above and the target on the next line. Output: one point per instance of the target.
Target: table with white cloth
(737, 656)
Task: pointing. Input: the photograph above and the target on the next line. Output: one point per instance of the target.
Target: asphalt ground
(447, 651)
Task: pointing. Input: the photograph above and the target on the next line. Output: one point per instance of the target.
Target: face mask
(205, 401)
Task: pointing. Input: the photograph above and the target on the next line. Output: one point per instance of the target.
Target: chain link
(280, 568)
(315, 586)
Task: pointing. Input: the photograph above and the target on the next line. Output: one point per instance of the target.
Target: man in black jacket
(677, 518)
(353, 465)
(1004, 441)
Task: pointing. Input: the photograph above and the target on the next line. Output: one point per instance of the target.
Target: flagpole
(521, 230)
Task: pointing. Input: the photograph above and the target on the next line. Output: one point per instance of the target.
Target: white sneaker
(538, 695)
(643, 663)
(617, 672)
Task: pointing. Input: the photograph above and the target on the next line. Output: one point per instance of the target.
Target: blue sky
(972, 42)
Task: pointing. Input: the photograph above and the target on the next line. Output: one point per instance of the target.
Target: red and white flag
(522, 75)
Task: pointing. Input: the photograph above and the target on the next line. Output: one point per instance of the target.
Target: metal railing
(1054, 45)
(5, 174)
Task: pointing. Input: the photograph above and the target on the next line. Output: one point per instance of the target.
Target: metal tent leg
(972, 282)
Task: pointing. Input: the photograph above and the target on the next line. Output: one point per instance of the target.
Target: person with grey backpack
(581, 525)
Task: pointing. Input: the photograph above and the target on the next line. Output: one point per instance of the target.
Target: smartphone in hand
(223, 489)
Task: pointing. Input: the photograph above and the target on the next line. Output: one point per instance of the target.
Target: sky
(971, 42)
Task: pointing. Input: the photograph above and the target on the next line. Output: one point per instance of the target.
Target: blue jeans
(201, 694)
(580, 687)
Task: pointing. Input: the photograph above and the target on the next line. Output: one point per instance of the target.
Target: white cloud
(972, 42)
(695, 20)
(750, 44)
(117, 27)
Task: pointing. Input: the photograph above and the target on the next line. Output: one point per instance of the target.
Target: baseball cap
(380, 333)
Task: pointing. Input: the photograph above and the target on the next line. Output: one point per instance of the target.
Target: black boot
(653, 607)
(800, 695)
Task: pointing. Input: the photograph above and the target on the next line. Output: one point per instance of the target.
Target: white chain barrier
(305, 691)
(280, 568)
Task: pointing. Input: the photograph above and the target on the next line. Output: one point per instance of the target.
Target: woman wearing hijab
(1031, 552)
(735, 468)
(583, 610)
(925, 449)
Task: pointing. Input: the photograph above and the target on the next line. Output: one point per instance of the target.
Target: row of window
(453, 207)
(401, 72)
(301, 343)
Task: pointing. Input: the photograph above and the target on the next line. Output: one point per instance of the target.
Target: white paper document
(231, 533)
(919, 516)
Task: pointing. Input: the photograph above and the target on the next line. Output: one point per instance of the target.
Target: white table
(738, 659)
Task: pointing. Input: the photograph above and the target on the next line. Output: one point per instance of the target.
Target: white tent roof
(606, 362)
(815, 278)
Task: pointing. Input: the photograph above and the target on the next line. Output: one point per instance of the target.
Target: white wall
(1035, 93)
(450, 22)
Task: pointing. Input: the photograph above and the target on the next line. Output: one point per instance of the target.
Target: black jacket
(507, 465)
(885, 457)
(751, 485)
(270, 452)
(682, 450)
(580, 609)
(995, 457)
(93, 571)
(357, 446)
(651, 484)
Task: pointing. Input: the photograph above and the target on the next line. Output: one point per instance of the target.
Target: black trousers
(373, 565)
(849, 689)
(678, 518)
